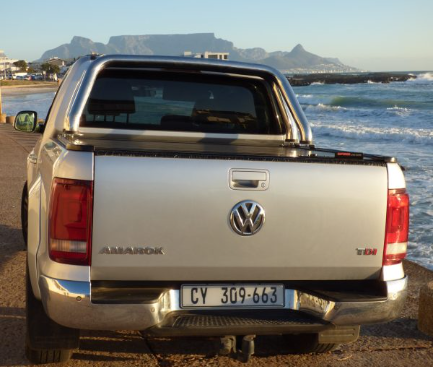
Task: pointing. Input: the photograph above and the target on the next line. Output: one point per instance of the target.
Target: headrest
(111, 96)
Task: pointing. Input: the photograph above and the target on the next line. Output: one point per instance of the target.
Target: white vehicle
(185, 197)
(20, 76)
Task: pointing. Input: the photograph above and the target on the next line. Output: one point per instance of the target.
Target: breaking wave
(307, 100)
(422, 78)
(352, 131)
(323, 106)
(314, 111)
(396, 108)
(400, 111)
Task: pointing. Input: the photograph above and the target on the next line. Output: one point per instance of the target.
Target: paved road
(394, 344)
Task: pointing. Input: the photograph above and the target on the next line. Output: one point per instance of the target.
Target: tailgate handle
(247, 179)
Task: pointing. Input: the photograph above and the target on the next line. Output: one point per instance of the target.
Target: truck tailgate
(317, 216)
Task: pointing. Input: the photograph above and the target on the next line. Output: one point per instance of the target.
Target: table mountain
(297, 60)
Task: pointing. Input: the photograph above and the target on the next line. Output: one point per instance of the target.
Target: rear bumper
(69, 304)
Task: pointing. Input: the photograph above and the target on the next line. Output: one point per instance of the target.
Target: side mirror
(26, 121)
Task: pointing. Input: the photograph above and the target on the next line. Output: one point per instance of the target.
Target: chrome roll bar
(99, 63)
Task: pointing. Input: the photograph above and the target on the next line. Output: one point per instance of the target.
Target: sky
(376, 35)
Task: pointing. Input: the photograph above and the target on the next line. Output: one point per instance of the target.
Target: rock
(425, 311)
(302, 80)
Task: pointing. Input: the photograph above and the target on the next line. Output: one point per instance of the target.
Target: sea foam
(352, 131)
(422, 78)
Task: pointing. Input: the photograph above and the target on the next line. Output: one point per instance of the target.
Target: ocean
(393, 119)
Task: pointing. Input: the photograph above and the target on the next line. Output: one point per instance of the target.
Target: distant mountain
(79, 46)
(297, 60)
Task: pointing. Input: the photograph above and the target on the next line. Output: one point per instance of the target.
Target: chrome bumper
(69, 304)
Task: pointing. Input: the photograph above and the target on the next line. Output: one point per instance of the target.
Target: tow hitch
(231, 343)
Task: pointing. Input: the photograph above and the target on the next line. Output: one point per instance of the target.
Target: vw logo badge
(247, 218)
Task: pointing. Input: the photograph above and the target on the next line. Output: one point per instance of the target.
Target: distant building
(56, 61)
(6, 64)
(35, 66)
(207, 55)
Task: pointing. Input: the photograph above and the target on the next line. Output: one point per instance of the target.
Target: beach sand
(28, 89)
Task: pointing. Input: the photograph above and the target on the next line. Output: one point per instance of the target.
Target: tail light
(70, 223)
(397, 227)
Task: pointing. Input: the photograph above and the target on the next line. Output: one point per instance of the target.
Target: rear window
(179, 102)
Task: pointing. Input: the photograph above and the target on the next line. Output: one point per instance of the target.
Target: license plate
(232, 295)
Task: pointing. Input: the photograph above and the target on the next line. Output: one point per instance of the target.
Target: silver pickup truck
(185, 197)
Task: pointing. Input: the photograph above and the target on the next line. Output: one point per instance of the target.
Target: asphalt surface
(397, 343)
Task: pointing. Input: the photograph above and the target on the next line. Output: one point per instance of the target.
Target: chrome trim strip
(72, 120)
(69, 304)
(191, 137)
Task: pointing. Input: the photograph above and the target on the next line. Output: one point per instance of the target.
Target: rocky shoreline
(302, 80)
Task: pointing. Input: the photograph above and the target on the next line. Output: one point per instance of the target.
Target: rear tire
(46, 341)
(37, 356)
(307, 343)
